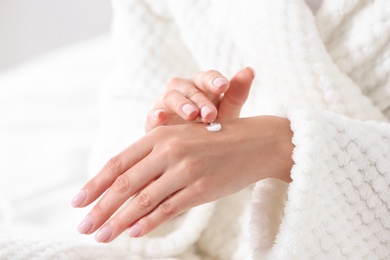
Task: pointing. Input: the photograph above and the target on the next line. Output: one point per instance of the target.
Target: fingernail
(103, 234)
(188, 109)
(253, 71)
(205, 111)
(220, 82)
(156, 114)
(135, 230)
(79, 199)
(85, 225)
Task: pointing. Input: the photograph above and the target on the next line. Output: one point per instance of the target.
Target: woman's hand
(208, 95)
(174, 168)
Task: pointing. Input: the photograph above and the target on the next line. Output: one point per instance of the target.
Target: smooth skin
(177, 166)
(206, 95)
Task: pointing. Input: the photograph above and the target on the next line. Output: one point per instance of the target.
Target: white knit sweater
(328, 74)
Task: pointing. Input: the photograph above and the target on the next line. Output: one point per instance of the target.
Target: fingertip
(189, 111)
(208, 114)
(220, 82)
(253, 71)
(243, 78)
(86, 225)
(247, 73)
(157, 113)
(104, 234)
(79, 199)
(135, 230)
(160, 116)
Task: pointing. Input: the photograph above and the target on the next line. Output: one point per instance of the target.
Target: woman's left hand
(174, 168)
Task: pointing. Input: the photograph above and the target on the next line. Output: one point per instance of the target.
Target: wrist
(283, 162)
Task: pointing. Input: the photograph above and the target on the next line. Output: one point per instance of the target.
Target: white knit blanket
(328, 74)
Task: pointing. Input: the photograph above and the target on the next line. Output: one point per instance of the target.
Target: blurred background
(31, 27)
(54, 56)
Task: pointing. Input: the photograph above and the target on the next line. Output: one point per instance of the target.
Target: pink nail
(253, 71)
(103, 234)
(135, 230)
(220, 82)
(188, 109)
(85, 225)
(205, 111)
(79, 199)
(156, 114)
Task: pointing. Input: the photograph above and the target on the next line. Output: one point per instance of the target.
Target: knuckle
(121, 184)
(114, 164)
(143, 201)
(200, 188)
(171, 150)
(169, 96)
(167, 209)
(174, 82)
(168, 144)
(212, 72)
(193, 93)
(98, 211)
(198, 74)
(158, 132)
(188, 168)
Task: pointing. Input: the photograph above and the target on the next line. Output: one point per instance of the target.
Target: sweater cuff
(338, 198)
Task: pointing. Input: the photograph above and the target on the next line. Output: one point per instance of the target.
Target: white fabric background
(48, 123)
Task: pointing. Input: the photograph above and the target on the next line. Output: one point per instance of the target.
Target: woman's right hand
(208, 96)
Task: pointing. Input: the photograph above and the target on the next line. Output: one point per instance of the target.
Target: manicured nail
(205, 111)
(220, 82)
(79, 199)
(253, 71)
(103, 234)
(85, 225)
(135, 230)
(157, 113)
(188, 109)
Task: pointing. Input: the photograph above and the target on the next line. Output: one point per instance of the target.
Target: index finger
(111, 170)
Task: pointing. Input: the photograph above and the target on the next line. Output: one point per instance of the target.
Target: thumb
(235, 97)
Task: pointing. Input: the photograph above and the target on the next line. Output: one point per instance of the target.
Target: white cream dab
(214, 127)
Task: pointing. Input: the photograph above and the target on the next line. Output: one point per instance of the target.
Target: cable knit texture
(329, 74)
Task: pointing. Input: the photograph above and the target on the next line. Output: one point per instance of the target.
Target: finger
(156, 117)
(175, 102)
(212, 83)
(235, 97)
(112, 169)
(123, 188)
(189, 103)
(140, 205)
(200, 95)
(161, 117)
(173, 206)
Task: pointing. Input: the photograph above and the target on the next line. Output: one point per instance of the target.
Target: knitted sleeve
(338, 204)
